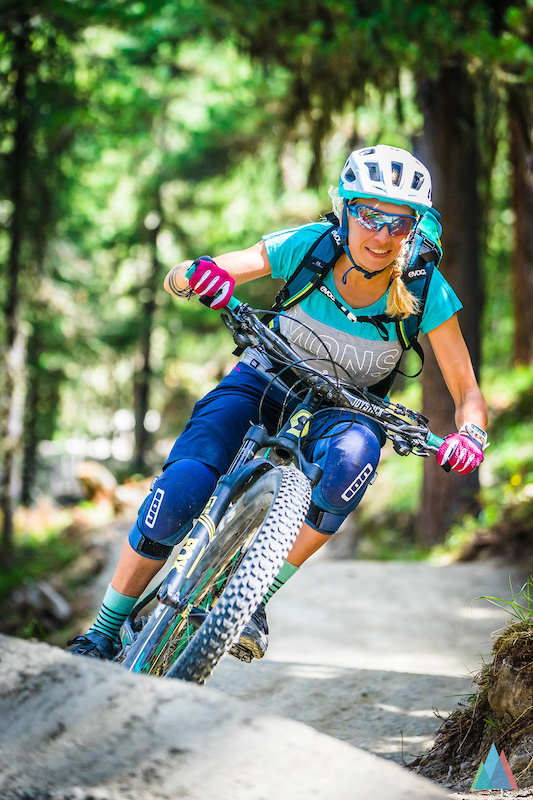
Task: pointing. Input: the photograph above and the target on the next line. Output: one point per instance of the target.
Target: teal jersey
(316, 327)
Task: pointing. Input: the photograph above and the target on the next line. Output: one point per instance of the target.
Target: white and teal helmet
(388, 173)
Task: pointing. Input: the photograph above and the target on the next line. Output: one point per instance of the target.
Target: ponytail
(400, 302)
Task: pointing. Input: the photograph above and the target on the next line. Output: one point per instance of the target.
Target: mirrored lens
(374, 220)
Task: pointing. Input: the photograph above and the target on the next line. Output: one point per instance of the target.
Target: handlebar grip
(436, 441)
(206, 301)
(232, 303)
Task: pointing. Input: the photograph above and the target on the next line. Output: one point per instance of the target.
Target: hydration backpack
(425, 253)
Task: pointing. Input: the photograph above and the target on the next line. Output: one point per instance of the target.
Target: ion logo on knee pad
(360, 481)
(155, 505)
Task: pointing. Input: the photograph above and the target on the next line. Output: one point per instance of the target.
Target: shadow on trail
(392, 714)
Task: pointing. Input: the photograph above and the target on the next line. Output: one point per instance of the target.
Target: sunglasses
(398, 224)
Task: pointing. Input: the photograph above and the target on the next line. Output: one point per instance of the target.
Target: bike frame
(247, 466)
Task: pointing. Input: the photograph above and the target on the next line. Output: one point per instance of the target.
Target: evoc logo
(155, 505)
(336, 235)
(324, 289)
(416, 273)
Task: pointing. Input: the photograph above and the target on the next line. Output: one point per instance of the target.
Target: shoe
(253, 641)
(93, 645)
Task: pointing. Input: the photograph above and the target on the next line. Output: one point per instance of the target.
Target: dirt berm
(360, 651)
(72, 728)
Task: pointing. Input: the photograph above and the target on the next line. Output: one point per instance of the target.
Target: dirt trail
(368, 651)
(373, 653)
(363, 652)
(73, 729)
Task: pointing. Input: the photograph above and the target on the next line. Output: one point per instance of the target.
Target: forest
(134, 135)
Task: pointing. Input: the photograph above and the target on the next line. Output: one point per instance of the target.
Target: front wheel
(236, 570)
(268, 517)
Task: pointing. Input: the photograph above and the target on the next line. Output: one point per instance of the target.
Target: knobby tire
(253, 539)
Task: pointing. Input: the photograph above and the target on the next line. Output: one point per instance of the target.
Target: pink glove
(461, 452)
(209, 279)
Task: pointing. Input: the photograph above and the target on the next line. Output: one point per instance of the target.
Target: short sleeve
(441, 303)
(286, 249)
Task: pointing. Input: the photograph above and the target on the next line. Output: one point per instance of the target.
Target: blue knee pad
(349, 456)
(177, 496)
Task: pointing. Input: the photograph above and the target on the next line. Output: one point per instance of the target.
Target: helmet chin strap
(365, 272)
(343, 232)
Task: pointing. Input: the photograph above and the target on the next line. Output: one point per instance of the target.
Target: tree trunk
(31, 441)
(521, 157)
(12, 402)
(143, 376)
(450, 150)
(36, 400)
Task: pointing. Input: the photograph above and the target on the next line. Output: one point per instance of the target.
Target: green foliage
(520, 606)
(160, 131)
(505, 525)
(40, 551)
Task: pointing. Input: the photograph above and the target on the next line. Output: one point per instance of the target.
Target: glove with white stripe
(463, 453)
(208, 279)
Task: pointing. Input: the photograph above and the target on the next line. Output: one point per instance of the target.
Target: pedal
(242, 653)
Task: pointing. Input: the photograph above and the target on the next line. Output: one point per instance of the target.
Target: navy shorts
(346, 445)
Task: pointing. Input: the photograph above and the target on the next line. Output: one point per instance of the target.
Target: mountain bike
(237, 545)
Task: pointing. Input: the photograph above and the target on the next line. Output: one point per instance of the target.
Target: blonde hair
(336, 201)
(400, 302)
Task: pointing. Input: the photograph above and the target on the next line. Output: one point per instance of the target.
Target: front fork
(284, 447)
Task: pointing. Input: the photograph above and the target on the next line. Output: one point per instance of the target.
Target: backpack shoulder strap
(423, 261)
(417, 278)
(315, 265)
(424, 257)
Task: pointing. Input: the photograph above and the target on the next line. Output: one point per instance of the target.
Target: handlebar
(408, 430)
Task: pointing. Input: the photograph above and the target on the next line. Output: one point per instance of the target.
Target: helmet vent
(373, 171)
(418, 180)
(397, 170)
(386, 172)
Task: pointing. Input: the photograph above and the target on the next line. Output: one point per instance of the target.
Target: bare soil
(373, 654)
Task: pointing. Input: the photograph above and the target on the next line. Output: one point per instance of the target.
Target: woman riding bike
(383, 193)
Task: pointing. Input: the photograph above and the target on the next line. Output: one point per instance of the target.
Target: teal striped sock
(287, 571)
(113, 611)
